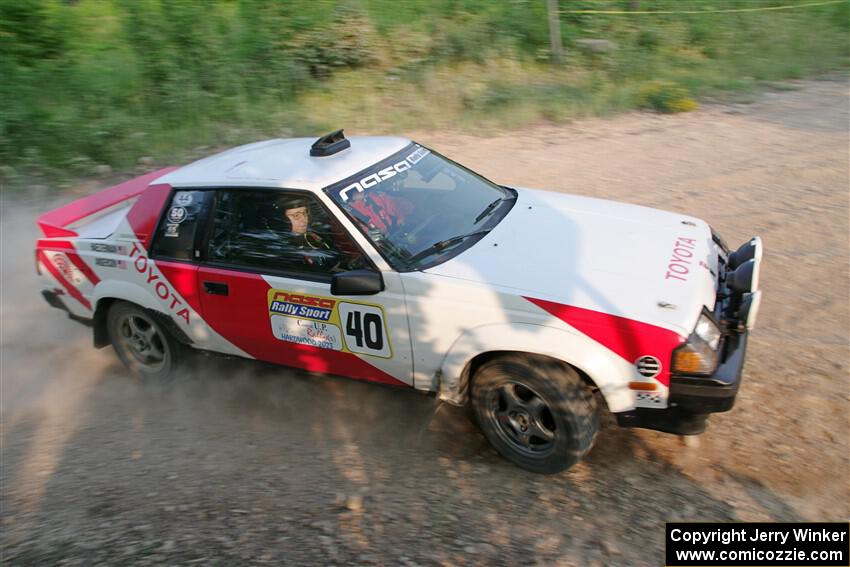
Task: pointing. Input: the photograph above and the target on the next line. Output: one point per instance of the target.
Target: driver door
(266, 289)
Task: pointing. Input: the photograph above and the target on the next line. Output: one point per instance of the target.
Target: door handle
(215, 288)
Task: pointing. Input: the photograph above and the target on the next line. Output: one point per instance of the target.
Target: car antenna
(329, 144)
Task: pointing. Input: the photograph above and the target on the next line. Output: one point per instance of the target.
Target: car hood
(625, 260)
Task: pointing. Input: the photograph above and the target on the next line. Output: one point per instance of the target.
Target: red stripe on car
(146, 211)
(184, 279)
(628, 338)
(83, 267)
(53, 223)
(242, 317)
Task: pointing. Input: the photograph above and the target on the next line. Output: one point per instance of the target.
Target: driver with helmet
(297, 212)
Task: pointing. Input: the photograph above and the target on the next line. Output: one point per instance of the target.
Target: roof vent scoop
(329, 144)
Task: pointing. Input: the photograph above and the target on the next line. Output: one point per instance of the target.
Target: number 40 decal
(365, 331)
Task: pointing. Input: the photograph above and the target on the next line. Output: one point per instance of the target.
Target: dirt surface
(243, 463)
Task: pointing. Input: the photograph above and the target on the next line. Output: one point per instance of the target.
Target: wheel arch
(108, 292)
(134, 295)
(479, 360)
(598, 367)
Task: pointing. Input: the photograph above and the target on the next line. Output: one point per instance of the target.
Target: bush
(648, 39)
(466, 37)
(666, 96)
(349, 41)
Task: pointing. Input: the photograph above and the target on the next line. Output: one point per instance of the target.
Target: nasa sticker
(176, 215)
(183, 198)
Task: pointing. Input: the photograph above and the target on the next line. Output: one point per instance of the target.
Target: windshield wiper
(443, 244)
(489, 209)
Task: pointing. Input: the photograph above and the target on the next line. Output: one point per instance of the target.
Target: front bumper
(693, 398)
(715, 393)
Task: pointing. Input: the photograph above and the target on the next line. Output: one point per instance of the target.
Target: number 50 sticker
(365, 331)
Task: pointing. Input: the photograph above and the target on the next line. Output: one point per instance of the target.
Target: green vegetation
(87, 82)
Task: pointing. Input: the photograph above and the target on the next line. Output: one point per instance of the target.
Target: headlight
(699, 354)
(708, 331)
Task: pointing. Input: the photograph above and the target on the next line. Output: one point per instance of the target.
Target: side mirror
(357, 282)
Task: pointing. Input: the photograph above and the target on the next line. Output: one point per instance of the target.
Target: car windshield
(419, 209)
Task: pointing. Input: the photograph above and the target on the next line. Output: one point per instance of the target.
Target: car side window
(279, 231)
(175, 237)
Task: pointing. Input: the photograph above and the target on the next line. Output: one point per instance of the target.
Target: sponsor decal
(183, 198)
(306, 306)
(109, 248)
(143, 265)
(325, 322)
(67, 269)
(382, 175)
(417, 155)
(306, 332)
(683, 256)
(649, 398)
(648, 366)
(110, 263)
(176, 215)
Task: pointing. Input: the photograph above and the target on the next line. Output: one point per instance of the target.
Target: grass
(109, 81)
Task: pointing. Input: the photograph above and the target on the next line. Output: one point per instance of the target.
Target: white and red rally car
(379, 259)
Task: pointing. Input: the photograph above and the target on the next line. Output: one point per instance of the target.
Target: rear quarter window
(180, 224)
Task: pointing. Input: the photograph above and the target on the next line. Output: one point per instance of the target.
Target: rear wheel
(537, 412)
(144, 347)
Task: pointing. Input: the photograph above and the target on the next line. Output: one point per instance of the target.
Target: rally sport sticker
(325, 322)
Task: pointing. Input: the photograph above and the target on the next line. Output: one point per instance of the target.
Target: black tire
(537, 412)
(142, 344)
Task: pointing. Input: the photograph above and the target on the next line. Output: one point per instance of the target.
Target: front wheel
(535, 411)
(144, 347)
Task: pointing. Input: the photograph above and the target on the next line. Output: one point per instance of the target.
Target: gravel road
(242, 463)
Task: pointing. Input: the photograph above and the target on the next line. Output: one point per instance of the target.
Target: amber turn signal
(643, 386)
(686, 361)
